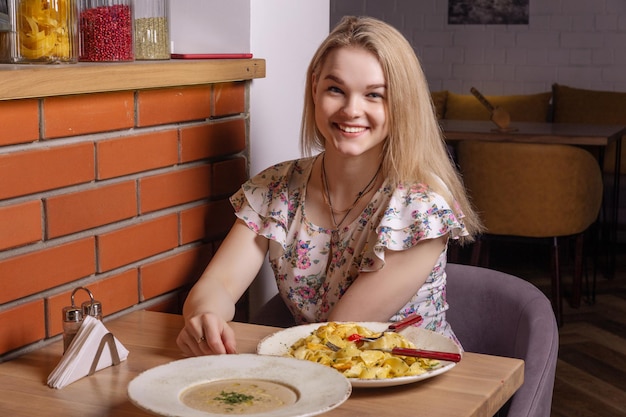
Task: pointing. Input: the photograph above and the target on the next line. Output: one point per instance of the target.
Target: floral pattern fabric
(315, 266)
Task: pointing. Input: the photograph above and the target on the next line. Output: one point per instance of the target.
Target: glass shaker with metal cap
(91, 307)
(72, 319)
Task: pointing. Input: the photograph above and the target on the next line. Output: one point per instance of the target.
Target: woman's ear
(314, 88)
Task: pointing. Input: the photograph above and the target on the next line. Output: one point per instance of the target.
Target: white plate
(278, 344)
(319, 388)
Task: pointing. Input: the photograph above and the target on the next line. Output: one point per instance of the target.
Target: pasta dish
(332, 344)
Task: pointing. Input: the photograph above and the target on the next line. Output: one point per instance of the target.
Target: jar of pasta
(152, 39)
(105, 30)
(45, 31)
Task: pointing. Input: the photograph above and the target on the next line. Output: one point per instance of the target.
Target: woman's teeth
(349, 129)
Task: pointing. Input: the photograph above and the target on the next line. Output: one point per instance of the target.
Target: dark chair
(499, 314)
(492, 313)
(274, 313)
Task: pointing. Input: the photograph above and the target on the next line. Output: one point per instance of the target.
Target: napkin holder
(107, 340)
(94, 348)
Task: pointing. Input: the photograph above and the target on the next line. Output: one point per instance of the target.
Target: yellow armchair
(534, 191)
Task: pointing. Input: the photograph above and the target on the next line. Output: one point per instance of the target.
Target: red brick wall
(125, 193)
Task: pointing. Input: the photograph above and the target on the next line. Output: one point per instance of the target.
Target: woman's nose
(352, 107)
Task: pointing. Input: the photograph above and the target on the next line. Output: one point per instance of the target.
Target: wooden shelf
(28, 81)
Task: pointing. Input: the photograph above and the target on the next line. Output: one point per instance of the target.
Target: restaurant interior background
(577, 43)
(580, 43)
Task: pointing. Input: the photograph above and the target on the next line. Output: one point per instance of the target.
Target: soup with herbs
(238, 396)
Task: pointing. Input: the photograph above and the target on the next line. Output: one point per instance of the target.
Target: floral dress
(315, 266)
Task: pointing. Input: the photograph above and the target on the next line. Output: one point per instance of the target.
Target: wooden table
(478, 386)
(590, 136)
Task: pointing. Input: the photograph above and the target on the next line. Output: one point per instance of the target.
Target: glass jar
(152, 38)
(5, 32)
(72, 320)
(105, 30)
(45, 31)
(92, 308)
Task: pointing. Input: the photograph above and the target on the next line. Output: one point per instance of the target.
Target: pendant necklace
(327, 200)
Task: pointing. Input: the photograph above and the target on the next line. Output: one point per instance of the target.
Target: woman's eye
(376, 95)
(334, 89)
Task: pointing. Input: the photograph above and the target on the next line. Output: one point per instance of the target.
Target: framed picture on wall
(488, 12)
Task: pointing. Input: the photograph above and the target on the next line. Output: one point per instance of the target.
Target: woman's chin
(352, 150)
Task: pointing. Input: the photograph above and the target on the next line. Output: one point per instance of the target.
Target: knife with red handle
(421, 353)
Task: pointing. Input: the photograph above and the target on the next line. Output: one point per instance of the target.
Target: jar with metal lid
(151, 26)
(105, 30)
(92, 308)
(45, 31)
(72, 320)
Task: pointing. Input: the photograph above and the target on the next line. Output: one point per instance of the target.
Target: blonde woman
(357, 229)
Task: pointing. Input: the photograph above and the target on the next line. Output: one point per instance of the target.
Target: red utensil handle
(428, 354)
(405, 322)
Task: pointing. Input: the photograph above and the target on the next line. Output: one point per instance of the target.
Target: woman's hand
(211, 302)
(206, 334)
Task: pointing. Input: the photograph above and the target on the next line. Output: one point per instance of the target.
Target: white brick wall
(580, 43)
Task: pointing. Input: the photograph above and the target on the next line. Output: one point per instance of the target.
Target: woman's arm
(376, 296)
(211, 302)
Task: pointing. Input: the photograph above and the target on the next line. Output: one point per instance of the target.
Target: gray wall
(579, 43)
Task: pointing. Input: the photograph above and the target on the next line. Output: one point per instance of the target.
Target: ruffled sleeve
(263, 202)
(414, 213)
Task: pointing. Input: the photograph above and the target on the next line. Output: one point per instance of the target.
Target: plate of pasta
(364, 364)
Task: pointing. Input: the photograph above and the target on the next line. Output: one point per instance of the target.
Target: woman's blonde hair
(415, 150)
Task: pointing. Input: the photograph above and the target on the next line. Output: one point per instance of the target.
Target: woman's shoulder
(284, 170)
(415, 201)
(414, 212)
(274, 185)
(265, 201)
(408, 193)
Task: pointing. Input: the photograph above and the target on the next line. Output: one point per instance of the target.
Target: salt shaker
(91, 307)
(72, 319)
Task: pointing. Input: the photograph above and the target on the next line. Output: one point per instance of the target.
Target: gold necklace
(329, 203)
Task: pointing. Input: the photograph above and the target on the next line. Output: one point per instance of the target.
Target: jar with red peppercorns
(105, 30)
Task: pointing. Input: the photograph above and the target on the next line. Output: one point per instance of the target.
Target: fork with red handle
(420, 353)
(393, 327)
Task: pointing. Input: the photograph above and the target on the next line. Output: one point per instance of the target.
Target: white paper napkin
(80, 355)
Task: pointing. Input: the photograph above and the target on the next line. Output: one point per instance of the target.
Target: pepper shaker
(91, 307)
(72, 319)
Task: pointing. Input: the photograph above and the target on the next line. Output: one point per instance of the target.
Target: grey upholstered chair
(499, 314)
(494, 313)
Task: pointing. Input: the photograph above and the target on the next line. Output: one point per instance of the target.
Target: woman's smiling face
(350, 102)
